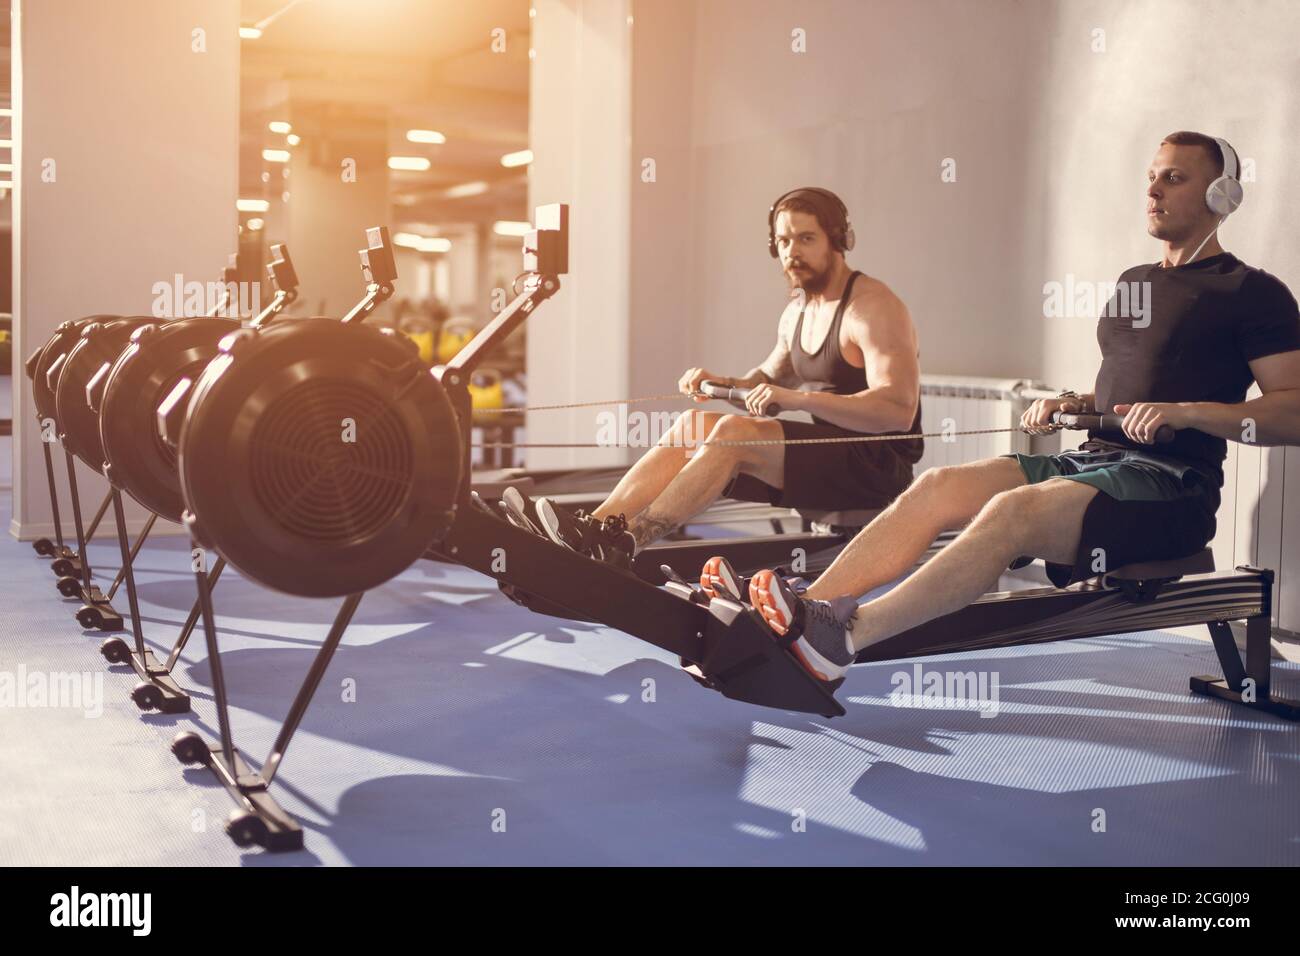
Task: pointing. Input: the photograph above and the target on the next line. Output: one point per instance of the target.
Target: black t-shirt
(1190, 340)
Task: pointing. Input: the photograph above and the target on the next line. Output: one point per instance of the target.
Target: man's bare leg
(1044, 520)
(942, 499)
(645, 480)
(700, 483)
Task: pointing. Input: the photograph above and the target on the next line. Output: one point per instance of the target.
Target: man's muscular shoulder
(875, 302)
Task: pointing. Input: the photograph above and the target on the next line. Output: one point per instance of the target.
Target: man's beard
(810, 281)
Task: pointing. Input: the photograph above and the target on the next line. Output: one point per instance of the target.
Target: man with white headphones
(1212, 325)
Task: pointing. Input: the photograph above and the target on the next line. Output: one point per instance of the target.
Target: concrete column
(327, 216)
(126, 135)
(579, 130)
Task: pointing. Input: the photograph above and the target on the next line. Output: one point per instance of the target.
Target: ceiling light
(417, 164)
(275, 155)
(521, 158)
(249, 33)
(506, 227)
(252, 205)
(476, 188)
(425, 136)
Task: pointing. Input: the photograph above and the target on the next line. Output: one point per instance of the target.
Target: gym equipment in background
(125, 394)
(320, 458)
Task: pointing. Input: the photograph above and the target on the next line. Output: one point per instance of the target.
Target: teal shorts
(1123, 474)
(1151, 508)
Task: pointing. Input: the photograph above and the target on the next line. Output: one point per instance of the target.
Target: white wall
(144, 133)
(883, 94)
(1228, 69)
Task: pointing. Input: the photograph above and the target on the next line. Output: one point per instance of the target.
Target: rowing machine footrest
(743, 660)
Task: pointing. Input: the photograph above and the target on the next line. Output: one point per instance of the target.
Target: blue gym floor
(469, 709)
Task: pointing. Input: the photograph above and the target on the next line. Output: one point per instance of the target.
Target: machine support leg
(214, 660)
(119, 518)
(128, 560)
(54, 497)
(309, 685)
(156, 690)
(1225, 645)
(76, 518)
(97, 518)
(183, 638)
(1250, 684)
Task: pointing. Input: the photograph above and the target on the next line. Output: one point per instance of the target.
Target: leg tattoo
(649, 527)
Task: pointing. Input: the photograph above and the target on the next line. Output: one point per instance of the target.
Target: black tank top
(827, 370)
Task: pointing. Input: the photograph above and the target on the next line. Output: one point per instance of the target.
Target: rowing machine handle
(1107, 422)
(736, 396)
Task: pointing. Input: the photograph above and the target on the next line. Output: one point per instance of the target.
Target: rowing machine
(723, 645)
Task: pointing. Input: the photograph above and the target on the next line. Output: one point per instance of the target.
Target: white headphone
(1225, 194)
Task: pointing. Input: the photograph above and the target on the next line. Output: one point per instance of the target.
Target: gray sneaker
(819, 629)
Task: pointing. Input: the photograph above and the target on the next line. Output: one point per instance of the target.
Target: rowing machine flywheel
(320, 459)
(138, 459)
(38, 366)
(78, 423)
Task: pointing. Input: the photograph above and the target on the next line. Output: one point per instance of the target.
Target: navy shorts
(836, 476)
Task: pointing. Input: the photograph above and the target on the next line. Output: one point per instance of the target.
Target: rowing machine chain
(752, 441)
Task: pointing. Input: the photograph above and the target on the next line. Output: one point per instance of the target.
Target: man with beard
(846, 353)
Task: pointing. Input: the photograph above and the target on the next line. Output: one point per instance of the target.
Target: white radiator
(959, 403)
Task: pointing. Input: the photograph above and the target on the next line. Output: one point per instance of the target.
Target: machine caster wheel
(246, 829)
(89, 617)
(69, 587)
(64, 567)
(189, 748)
(115, 650)
(43, 546)
(147, 696)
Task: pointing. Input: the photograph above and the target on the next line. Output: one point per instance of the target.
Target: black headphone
(841, 230)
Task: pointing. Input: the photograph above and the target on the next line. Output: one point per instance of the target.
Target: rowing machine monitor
(280, 269)
(229, 282)
(284, 280)
(546, 246)
(377, 263)
(1107, 422)
(380, 272)
(733, 395)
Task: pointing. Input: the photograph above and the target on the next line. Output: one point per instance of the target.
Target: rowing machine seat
(1143, 581)
(833, 521)
(1202, 562)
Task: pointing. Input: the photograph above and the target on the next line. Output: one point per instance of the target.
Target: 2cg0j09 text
(1220, 898)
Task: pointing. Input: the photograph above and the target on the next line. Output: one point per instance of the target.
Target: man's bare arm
(1275, 414)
